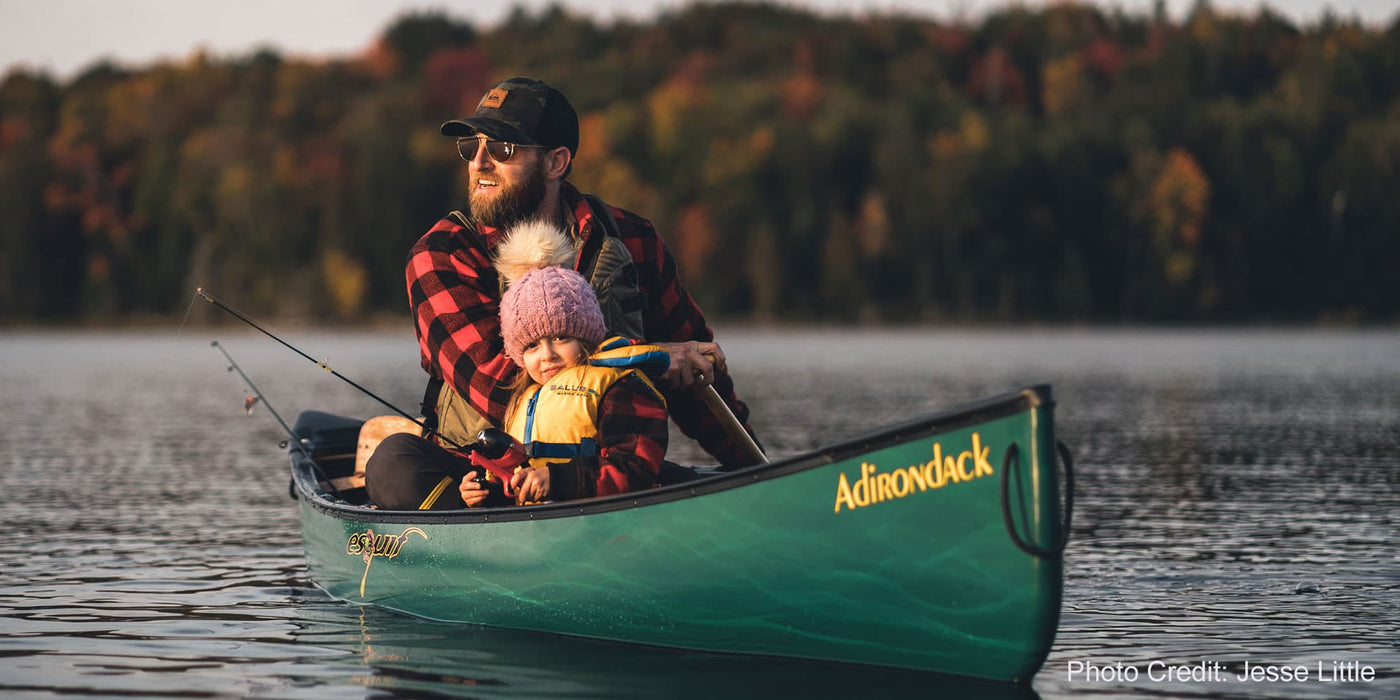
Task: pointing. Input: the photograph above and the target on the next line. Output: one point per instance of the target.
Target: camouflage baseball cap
(524, 111)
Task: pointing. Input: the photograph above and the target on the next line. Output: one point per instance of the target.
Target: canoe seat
(372, 433)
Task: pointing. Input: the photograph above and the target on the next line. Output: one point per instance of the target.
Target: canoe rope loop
(1013, 456)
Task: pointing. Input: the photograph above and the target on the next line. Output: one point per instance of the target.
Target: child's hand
(473, 491)
(504, 466)
(531, 484)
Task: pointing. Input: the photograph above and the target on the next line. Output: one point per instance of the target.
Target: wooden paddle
(732, 425)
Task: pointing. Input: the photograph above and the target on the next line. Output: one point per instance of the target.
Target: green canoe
(935, 545)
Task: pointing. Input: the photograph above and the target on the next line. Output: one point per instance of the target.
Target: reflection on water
(1238, 496)
(401, 653)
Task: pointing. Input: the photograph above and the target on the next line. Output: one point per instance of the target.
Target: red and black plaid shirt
(631, 444)
(455, 295)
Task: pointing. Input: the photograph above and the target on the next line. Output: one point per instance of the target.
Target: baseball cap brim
(493, 128)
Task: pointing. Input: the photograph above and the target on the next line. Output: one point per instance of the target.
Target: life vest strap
(562, 450)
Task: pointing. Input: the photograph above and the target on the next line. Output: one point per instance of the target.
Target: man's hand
(693, 363)
(531, 485)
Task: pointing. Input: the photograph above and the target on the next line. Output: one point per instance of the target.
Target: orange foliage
(229, 145)
(802, 94)
(1061, 84)
(84, 187)
(1180, 196)
(1177, 207)
(1343, 39)
(593, 142)
(346, 282)
(56, 197)
(1157, 38)
(971, 136)
(695, 69)
(695, 239)
(953, 41)
(944, 145)
(684, 93)
(1104, 58)
(380, 60)
(995, 79)
(873, 224)
(737, 159)
(13, 131)
(802, 91)
(454, 79)
(130, 107)
(99, 268)
(973, 131)
(312, 162)
(596, 168)
(1203, 25)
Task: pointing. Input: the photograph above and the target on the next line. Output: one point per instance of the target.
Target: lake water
(1238, 501)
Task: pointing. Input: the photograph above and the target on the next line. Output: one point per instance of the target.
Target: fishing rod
(296, 442)
(233, 367)
(242, 317)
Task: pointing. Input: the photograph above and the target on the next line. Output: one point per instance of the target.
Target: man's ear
(557, 163)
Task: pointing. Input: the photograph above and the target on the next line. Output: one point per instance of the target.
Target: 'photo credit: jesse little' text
(1207, 671)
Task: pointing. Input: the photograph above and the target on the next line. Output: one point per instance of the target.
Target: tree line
(1066, 163)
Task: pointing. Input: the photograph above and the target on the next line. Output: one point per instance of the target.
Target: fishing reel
(498, 453)
(492, 443)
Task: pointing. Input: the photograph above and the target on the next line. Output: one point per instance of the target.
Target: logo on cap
(494, 98)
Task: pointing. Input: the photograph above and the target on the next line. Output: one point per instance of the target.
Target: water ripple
(1238, 501)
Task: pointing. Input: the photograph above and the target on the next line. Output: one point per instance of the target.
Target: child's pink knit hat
(543, 299)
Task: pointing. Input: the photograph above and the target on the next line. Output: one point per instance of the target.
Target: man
(519, 146)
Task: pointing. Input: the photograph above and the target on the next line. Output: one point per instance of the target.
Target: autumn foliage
(1064, 163)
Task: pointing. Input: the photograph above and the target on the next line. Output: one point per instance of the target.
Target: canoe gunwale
(309, 489)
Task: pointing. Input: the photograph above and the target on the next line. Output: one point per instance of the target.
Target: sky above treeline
(63, 37)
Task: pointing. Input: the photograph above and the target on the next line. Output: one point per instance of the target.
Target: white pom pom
(532, 245)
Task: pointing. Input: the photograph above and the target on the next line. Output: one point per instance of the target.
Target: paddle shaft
(732, 425)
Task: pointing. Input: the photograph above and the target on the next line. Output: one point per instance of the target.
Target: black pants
(405, 470)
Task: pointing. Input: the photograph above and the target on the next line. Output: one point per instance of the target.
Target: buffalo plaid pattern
(455, 296)
(631, 444)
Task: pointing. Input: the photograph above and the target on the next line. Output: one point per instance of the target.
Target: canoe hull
(890, 550)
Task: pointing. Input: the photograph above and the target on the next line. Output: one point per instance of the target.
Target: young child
(586, 416)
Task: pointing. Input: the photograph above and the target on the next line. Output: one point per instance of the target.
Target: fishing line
(233, 367)
(296, 442)
(240, 316)
(186, 319)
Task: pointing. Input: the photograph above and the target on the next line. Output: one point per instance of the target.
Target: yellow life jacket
(558, 420)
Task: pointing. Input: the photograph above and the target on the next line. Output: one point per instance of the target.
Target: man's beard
(513, 203)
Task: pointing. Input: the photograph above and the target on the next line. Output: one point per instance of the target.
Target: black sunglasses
(500, 151)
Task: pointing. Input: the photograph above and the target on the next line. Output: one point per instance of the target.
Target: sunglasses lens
(500, 151)
(467, 147)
